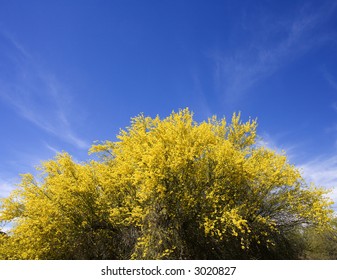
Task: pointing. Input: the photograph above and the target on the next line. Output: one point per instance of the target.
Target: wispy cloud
(236, 73)
(36, 94)
(322, 172)
(53, 149)
(334, 106)
(7, 185)
(330, 79)
(274, 143)
(199, 97)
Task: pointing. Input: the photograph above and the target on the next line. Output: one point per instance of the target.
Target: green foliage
(167, 189)
(321, 245)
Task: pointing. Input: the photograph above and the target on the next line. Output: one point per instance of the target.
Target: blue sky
(72, 72)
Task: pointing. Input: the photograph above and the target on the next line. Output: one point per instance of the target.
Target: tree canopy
(168, 188)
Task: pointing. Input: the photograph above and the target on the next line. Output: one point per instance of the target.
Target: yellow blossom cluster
(166, 189)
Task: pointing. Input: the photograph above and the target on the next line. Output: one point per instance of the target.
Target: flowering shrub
(167, 189)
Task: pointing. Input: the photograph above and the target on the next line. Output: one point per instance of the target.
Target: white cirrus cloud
(322, 172)
(259, 58)
(7, 185)
(35, 94)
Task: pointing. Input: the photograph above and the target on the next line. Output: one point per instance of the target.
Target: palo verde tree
(64, 216)
(166, 189)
